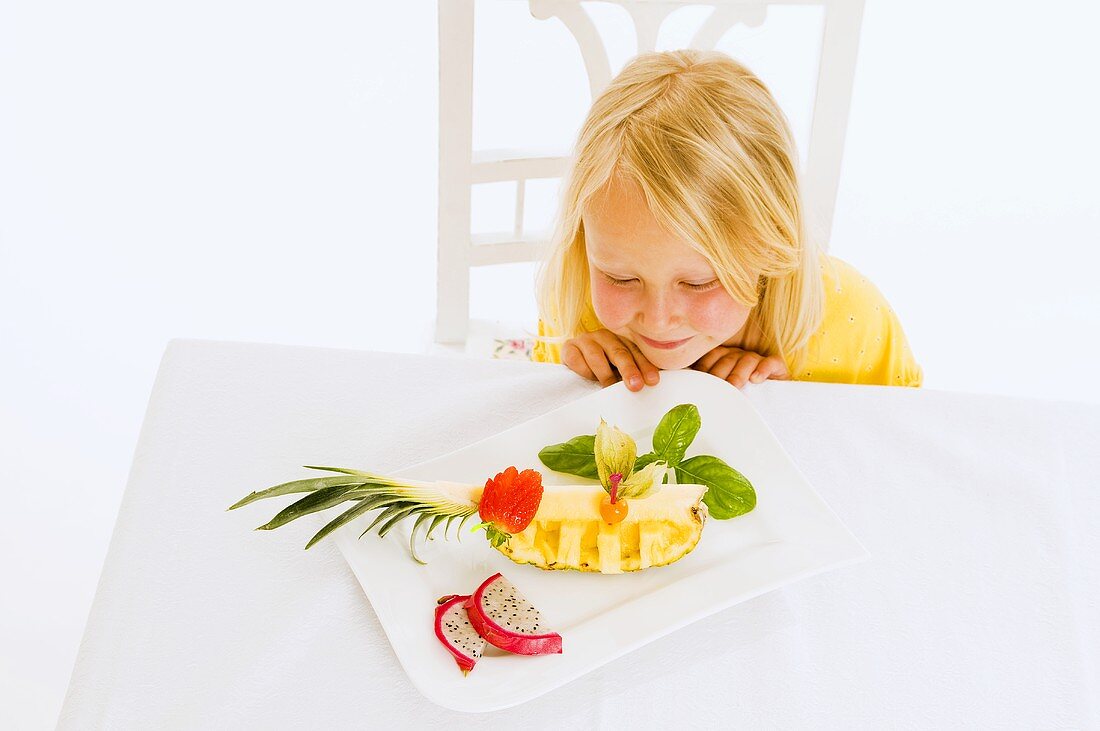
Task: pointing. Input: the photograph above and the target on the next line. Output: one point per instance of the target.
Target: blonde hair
(714, 156)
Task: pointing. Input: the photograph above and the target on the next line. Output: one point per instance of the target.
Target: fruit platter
(503, 570)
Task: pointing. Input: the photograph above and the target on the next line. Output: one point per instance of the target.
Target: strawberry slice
(508, 503)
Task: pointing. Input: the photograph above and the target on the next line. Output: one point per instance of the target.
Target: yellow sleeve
(546, 350)
(543, 351)
(861, 339)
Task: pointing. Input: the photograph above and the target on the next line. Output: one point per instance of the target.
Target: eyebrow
(690, 276)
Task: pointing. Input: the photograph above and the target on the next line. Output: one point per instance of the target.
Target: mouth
(663, 344)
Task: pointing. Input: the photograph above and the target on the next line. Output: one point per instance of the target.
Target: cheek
(614, 306)
(716, 313)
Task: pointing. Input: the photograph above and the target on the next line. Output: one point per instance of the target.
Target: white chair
(460, 167)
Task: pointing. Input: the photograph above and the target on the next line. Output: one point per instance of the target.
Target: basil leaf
(729, 493)
(575, 457)
(675, 433)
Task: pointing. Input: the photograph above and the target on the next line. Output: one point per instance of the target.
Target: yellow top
(860, 339)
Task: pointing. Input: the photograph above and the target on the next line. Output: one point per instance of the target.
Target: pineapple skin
(567, 532)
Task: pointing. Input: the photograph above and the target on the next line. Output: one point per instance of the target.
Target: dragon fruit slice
(453, 628)
(500, 614)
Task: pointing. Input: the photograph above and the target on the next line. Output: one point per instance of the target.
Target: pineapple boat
(629, 522)
(565, 531)
(568, 531)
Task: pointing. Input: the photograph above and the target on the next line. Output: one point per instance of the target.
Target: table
(978, 607)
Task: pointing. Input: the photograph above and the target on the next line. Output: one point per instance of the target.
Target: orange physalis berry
(612, 512)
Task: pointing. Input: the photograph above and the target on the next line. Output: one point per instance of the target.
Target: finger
(711, 358)
(650, 373)
(708, 359)
(771, 367)
(621, 355)
(739, 376)
(597, 361)
(573, 359)
(780, 373)
(725, 365)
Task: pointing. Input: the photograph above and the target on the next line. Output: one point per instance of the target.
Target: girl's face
(652, 288)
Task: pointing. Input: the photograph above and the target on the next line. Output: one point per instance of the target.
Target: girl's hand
(605, 357)
(739, 367)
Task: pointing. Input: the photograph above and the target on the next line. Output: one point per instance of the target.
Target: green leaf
(345, 517)
(675, 433)
(615, 452)
(496, 536)
(400, 509)
(462, 524)
(343, 470)
(397, 518)
(288, 488)
(643, 482)
(729, 493)
(412, 538)
(645, 461)
(575, 457)
(321, 499)
(436, 520)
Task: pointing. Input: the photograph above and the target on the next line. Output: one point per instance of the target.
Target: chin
(670, 360)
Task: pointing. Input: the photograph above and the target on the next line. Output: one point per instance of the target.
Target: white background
(267, 172)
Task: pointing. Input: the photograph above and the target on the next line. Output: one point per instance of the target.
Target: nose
(660, 313)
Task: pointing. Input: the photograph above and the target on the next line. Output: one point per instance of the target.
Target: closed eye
(618, 282)
(704, 287)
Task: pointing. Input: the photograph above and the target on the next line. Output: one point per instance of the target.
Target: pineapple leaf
(344, 518)
(288, 488)
(435, 521)
(343, 470)
(386, 514)
(462, 523)
(377, 500)
(394, 499)
(412, 538)
(321, 499)
(397, 518)
(447, 528)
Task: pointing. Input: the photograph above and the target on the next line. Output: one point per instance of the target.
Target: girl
(680, 243)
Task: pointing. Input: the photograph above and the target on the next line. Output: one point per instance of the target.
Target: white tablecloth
(978, 607)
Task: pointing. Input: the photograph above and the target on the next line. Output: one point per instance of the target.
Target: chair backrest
(460, 167)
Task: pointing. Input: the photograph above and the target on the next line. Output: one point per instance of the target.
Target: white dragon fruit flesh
(500, 614)
(454, 630)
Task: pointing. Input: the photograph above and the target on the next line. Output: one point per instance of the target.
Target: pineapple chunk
(569, 533)
(569, 542)
(609, 546)
(545, 541)
(647, 544)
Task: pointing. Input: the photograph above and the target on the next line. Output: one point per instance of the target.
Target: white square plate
(791, 534)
